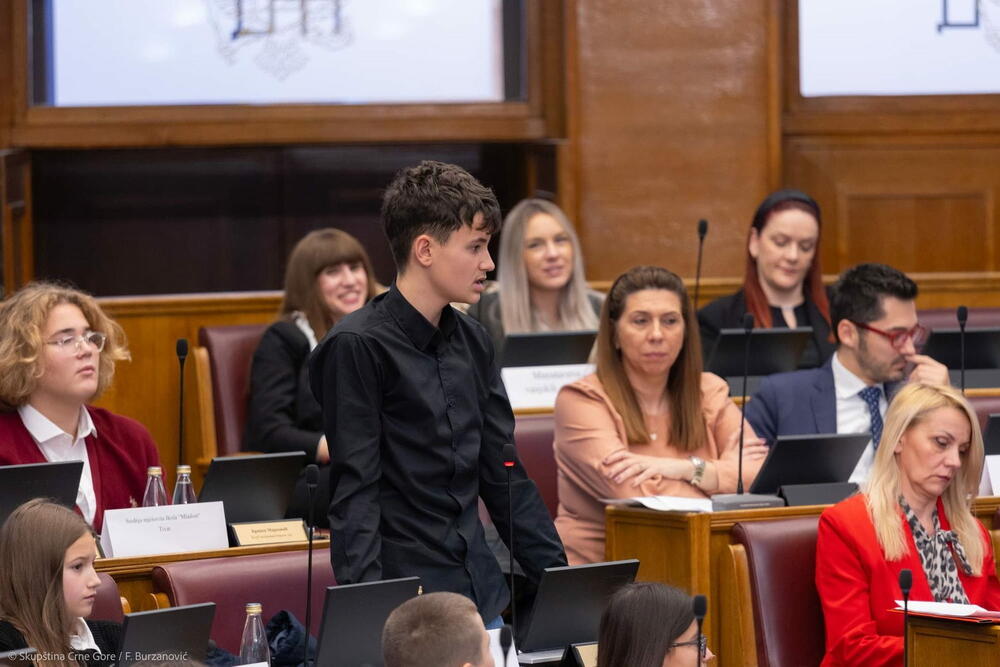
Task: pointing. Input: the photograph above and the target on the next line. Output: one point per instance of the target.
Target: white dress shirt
(81, 638)
(853, 415)
(57, 445)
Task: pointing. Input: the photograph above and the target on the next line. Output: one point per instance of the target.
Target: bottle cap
(183, 470)
(254, 608)
(154, 470)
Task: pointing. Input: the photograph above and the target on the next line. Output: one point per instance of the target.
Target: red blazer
(858, 586)
(119, 455)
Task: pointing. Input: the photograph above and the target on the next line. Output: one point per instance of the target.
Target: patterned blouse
(938, 559)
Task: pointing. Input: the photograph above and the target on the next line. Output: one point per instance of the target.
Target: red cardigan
(119, 455)
(858, 586)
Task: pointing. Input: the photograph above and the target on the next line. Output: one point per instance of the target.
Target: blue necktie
(871, 396)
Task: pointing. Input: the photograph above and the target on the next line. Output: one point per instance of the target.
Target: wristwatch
(699, 471)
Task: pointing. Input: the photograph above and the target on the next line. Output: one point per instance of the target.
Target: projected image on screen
(899, 47)
(168, 52)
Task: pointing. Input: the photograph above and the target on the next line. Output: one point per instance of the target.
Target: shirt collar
(81, 638)
(414, 324)
(42, 429)
(846, 383)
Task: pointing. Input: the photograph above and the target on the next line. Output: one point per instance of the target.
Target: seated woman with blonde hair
(57, 354)
(916, 514)
(48, 586)
(541, 286)
(649, 422)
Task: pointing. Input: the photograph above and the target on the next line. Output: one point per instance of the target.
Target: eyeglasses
(75, 343)
(701, 642)
(918, 334)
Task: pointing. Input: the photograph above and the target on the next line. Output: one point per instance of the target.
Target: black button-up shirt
(416, 417)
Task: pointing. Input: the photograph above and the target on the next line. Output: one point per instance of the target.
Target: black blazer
(282, 415)
(727, 313)
(107, 634)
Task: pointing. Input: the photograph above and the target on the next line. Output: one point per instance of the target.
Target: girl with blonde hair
(57, 354)
(541, 284)
(916, 514)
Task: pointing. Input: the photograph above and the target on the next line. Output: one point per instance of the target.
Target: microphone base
(725, 502)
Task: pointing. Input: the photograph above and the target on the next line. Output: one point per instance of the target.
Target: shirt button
(451, 402)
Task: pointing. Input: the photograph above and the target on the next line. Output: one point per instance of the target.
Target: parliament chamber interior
(172, 159)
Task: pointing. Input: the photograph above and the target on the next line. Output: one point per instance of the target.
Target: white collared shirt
(853, 415)
(57, 445)
(82, 638)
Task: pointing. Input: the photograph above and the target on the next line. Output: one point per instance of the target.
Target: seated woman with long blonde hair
(540, 280)
(916, 514)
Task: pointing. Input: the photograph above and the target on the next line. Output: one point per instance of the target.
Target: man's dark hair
(434, 198)
(858, 293)
(433, 630)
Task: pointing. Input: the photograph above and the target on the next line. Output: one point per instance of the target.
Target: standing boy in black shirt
(416, 414)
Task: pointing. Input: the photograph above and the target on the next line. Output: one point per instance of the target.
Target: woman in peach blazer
(649, 421)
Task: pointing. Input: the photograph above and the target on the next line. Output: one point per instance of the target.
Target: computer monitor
(350, 634)
(824, 458)
(569, 605)
(174, 634)
(254, 487)
(547, 348)
(59, 482)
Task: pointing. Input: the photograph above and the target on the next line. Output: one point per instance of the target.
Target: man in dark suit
(875, 323)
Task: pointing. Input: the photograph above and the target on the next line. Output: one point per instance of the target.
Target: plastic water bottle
(183, 491)
(156, 493)
(253, 647)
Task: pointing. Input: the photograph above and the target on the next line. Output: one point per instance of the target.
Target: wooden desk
(134, 575)
(684, 550)
(935, 642)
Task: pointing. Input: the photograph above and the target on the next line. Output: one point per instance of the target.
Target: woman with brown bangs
(649, 422)
(48, 586)
(57, 354)
(783, 286)
(328, 276)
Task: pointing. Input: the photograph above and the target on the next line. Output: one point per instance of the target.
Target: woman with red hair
(783, 285)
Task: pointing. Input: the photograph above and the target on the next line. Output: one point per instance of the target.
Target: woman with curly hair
(57, 354)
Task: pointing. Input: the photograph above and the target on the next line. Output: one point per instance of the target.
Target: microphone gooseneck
(312, 481)
(182, 353)
(963, 316)
(702, 233)
(905, 583)
(700, 607)
(509, 457)
(506, 641)
(748, 330)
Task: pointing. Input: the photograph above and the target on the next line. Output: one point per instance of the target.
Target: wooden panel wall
(147, 388)
(908, 181)
(917, 203)
(671, 119)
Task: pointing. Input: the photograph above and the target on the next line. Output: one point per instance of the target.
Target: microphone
(509, 456)
(700, 608)
(312, 480)
(182, 353)
(702, 233)
(963, 317)
(740, 500)
(506, 640)
(905, 583)
(748, 331)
